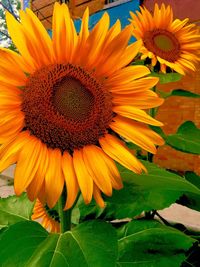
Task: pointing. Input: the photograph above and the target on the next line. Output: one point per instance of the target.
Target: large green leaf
(14, 209)
(167, 77)
(149, 244)
(19, 241)
(187, 138)
(27, 244)
(155, 190)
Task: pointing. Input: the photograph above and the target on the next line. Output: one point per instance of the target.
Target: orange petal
(9, 151)
(114, 148)
(63, 42)
(70, 179)
(54, 180)
(136, 114)
(136, 133)
(98, 198)
(85, 180)
(27, 164)
(34, 187)
(97, 167)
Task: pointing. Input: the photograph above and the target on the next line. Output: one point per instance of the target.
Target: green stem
(65, 215)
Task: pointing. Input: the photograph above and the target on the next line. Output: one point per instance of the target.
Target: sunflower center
(66, 107)
(72, 99)
(163, 44)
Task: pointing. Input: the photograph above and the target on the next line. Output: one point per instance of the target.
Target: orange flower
(172, 43)
(64, 103)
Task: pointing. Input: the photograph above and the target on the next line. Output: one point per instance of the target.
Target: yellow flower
(49, 219)
(64, 103)
(172, 43)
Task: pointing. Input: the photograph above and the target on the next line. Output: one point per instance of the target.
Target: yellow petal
(97, 167)
(36, 184)
(136, 133)
(128, 74)
(129, 54)
(85, 180)
(114, 148)
(93, 45)
(136, 114)
(37, 37)
(62, 33)
(98, 198)
(9, 151)
(27, 165)
(20, 40)
(54, 180)
(84, 31)
(135, 86)
(112, 54)
(70, 179)
(143, 100)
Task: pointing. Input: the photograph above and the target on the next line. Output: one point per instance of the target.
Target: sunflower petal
(70, 179)
(98, 198)
(98, 169)
(115, 149)
(54, 180)
(136, 133)
(85, 180)
(136, 114)
(27, 165)
(34, 187)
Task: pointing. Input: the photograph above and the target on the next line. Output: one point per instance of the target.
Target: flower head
(172, 43)
(66, 101)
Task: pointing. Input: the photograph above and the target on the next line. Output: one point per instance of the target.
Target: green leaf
(91, 211)
(186, 139)
(27, 244)
(19, 241)
(150, 244)
(185, 93)
(178, 92)
(193, 178)
(191, 200)
(167, 77)
(156, 190)
(14, 209)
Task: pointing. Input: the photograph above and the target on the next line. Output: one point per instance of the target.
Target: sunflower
(49, 218)
(66, 101)
(172, 43)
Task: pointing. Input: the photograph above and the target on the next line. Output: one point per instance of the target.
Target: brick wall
(173, 113)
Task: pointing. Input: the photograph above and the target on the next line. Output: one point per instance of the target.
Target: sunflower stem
(65, 215)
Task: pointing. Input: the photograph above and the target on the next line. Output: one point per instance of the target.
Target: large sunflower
(66, 101)
(172, 43)
(48, 218)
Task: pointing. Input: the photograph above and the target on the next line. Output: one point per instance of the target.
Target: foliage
(186, 139)
(14, 209)
(87, 245)
(126, 232)
(148, 243)
(167, 77)
(13, 7)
